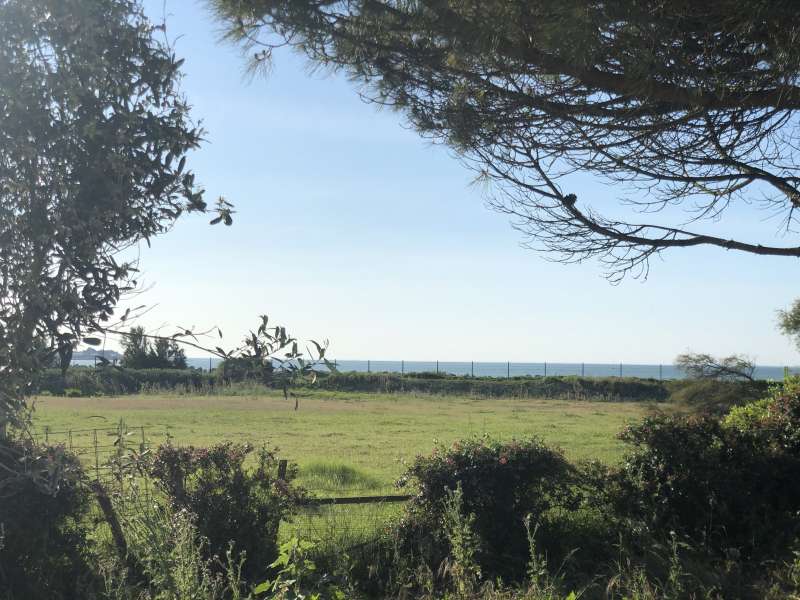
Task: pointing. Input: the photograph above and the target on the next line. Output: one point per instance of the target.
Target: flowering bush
(501, 485)
(230, 503)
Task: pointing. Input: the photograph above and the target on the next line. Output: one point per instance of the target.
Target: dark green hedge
(593, 388)
(91, 381)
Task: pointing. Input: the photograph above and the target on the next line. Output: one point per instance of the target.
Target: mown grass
(340, 438)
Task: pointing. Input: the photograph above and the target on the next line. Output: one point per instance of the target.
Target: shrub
(720, 486)
(716, 397)
(244, 368)
(774, 421)
(43, 511)
(230, 503)
(502, 484)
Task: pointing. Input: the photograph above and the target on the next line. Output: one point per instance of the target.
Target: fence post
(472, 368)
(70, 440)
(402, 367)
(508, 370)
(369, 367)
(660, 373)
(209, 364)
(96, 456)
(282, 464)
(46, 434)
(583, 369)
(437, 367)
(545, 369)
(620, 370)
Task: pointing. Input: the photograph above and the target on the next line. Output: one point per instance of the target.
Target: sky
(350, 227)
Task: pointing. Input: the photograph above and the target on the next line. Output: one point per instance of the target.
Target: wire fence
(348, 514)
(509, 368)
(539, 369)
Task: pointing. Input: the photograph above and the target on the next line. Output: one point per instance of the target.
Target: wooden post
(402, 367)
(437, 367)
(96, 456)
(369, 367)
(472, 368)
(583, 369)
(282, 464)
(508, 370)
(620, 370)
(545, 369)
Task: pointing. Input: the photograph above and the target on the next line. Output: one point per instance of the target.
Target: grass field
(348, 440)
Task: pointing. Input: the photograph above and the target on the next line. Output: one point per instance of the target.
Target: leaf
(92, 341)
(320, 349)
(262, 588)
(215, 221)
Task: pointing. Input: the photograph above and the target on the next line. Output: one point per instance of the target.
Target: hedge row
(590, 388)
(88, 381)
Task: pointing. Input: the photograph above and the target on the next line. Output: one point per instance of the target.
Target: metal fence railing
(511, 368)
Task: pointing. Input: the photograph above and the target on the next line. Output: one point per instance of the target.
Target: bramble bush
(502, 484)
(43, 518)
(230, 503)
(722, 487)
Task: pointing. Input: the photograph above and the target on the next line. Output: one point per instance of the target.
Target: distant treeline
(84, 381)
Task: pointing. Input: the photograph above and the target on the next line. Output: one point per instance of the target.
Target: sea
(511, 369)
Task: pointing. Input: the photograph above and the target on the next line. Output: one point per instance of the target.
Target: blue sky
(350, 227)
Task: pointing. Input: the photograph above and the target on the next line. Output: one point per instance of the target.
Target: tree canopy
(140, 352)
(94, 137)
(677, 103)
(705, 366)
(789, 322)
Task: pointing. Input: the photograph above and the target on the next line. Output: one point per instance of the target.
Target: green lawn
(342, 440)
